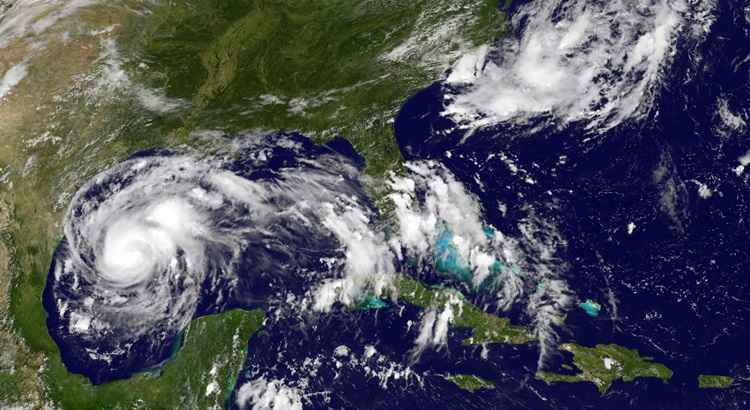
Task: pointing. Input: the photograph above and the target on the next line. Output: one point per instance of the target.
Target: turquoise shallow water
(372, 302)
(590, 307)
(448, 260)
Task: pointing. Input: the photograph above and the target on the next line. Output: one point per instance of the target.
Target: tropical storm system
(335, 204)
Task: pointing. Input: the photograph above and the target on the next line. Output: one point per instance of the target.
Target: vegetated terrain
(113, 78)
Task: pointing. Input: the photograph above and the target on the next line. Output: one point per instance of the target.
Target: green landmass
(8, 386)
(199, 376)
(603, 364)
(322, 67)
(486, 328)
(470, 382)
(713, 381)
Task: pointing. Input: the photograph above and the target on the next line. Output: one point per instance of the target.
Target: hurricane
(276, 222)
(164, 237)
(448, 204)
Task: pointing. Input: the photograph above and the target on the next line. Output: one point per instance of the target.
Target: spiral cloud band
(276, 222)
(161, 238)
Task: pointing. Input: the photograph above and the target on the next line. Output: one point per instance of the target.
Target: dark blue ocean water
(679, 282)
(676, 288)
(286, 257)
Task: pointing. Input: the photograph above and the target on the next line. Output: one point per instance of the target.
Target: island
(714, 381)
(591, 307)
(487, 328)
(470, 382)
(605, 363)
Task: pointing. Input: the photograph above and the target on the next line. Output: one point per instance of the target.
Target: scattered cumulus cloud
(261, 394)
(428, 200)
(434, 326)
(368, 264)
(113, 78)
(12, 77)
(34, 17)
